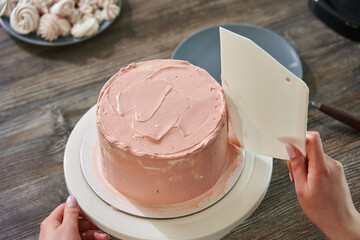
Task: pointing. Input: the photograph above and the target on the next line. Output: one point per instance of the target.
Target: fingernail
(104, 236)
(291, 151)
(71, 202)
(291, 179)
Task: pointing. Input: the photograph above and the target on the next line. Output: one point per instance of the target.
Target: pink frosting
(162, 131)
(160, 107)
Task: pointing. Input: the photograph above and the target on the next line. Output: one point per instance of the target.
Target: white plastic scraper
(267, 103)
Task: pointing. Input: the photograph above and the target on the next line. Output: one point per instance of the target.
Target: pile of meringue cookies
(54, 18)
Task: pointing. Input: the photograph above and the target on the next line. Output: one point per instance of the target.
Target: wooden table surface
(45, 90)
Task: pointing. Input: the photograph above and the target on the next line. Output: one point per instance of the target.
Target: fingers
(85, 225)
(56, 217)
(93, 235)
(67, 216)
(291, 175)
(71, 214)
(298, 168)
(315, 152)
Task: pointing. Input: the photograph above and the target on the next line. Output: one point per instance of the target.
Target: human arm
(322, 190)
(67, 222)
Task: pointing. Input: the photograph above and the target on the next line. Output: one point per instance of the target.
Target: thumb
(71, 213)
(299, 168)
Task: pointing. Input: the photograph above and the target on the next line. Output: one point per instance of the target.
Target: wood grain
(44, 91)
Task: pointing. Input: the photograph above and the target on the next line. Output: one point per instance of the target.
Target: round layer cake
(162, 131)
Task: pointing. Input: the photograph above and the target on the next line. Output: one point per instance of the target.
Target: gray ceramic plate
(203, 48)
(61, 41)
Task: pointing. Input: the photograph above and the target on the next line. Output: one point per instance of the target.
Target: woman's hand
(322, 190)
(66, 222)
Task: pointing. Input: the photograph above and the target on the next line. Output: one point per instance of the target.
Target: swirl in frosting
(24, 18)
(42, 5)
(91, 3)
(65, 27)
(6, 6)
(86, 9)
(102, 3)
(110, 11)
(85, 28)
(49, 28)
(98, 15)
(63, 8)
(74, 16)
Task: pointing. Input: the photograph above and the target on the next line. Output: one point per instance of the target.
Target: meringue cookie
(24, 1)
(74, 16)
(86, 9)
(101, 3)
(85, 28)
(6, 6)
(49, 28)
(42, 5)
(63, 8)
(91, 3)
(24, 18)
(98, 15)
(110, 11)
(65, 27)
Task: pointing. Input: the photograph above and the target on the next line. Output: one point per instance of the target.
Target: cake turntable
(212, 222)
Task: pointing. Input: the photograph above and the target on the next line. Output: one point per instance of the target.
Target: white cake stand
(211, 223)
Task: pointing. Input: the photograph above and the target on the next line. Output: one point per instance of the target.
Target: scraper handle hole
(288, 80)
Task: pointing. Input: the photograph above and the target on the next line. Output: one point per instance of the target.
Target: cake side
(159, 181)
(162, 131)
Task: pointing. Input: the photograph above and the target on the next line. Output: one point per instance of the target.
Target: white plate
(211, 223)
(61, 41)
